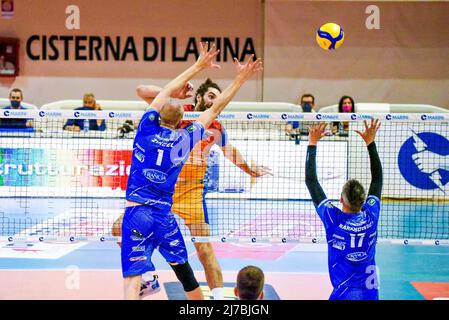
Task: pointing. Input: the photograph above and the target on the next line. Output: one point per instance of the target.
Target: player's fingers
(359, 133)
(250, 59)
(365, 123)
(323, 126)
(378, 125)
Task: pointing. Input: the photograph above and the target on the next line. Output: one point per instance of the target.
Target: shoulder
(7, 107)
(326, 203)
(372, 201)
(216, 125)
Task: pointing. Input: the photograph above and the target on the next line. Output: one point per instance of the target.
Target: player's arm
(233, 154)
(149, 92)
(368, 136)
(244, 72)
(204, 61)
(316, 132)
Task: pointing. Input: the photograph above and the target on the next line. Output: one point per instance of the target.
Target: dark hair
(202, 89)
(250, 282)
(305, 95)
(16, 90)
(340, 103)
(354, 193)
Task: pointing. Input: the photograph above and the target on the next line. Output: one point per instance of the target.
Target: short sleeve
(194, 132)
(220, 135)
(327, 212)
(149, 122)
(372, 206)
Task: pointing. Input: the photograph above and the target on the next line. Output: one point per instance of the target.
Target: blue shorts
(145, 228)
(348, 293)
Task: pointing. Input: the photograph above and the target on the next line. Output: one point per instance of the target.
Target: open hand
(185, 92)
(370, 131)
(259, 171)
(316, 132)
(207, 56)
(249, 68)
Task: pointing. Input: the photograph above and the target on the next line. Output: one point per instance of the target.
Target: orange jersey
(196, 165)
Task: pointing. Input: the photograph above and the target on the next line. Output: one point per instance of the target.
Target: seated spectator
(89, 104)
(250, 283)
(15, 99)
(346, 104)
(295, 128)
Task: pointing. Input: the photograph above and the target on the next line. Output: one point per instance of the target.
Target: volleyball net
(61, 185)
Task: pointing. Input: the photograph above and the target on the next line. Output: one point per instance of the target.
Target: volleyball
(330, 36)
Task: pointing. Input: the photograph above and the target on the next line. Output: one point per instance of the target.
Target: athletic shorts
(144, 229)
(189, 203)
(347, 293)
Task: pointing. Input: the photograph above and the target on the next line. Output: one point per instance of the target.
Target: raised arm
(149, 92)
(233, 154)
(316, 132)
(368, 136)
(204, 61)
(244, 72)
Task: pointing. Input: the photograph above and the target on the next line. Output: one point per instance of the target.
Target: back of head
(250, 282)
(354, 195)
(171, 114)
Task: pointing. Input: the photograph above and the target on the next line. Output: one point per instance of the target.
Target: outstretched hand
(249, 68)
(207, 56)
(185, 92)
(316, 132)
(259, 171)
(370, 131)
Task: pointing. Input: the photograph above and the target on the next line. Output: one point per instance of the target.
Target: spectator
(295, 128)
(15, 99)
(89, 103)
(250, 283)
(346, 104)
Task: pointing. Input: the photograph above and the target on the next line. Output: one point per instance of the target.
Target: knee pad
(185, 275)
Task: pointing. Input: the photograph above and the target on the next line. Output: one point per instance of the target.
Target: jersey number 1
(159, 157)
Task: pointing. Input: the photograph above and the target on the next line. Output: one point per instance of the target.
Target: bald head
(171, 114)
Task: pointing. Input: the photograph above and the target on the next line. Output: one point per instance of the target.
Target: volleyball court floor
(91, 270)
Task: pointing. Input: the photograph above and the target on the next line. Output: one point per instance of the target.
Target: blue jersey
(158, 156)
(351, 242)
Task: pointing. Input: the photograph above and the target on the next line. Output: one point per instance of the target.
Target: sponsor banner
(40, 250)
(415, 160)
(42, 167)
(248, 116)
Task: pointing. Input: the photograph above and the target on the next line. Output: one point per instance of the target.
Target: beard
(202, 106)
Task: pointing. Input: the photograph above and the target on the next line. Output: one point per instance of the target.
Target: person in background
(346, 104)
(89, 104)
(307, 103)
(15, 99)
